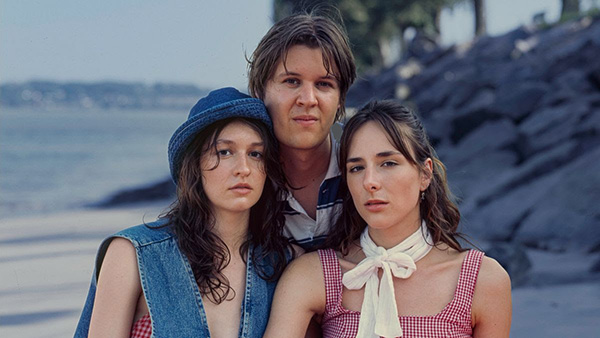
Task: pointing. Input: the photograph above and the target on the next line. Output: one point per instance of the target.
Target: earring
(422, 195)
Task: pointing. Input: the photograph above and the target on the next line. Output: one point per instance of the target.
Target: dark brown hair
(308, 30)
(405, 131)
(193, 222)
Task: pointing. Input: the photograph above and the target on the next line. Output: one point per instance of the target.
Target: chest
(425, 293)
(308, 197)
(223, 318)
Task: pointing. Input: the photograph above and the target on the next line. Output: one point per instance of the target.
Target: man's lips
(305, 120)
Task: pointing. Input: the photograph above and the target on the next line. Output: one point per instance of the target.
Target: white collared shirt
(299, 226)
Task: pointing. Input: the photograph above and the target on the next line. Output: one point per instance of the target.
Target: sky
(180, 41)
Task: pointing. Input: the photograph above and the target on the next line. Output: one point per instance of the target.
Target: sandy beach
(46, 264)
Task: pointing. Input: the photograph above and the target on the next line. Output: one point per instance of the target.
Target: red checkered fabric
(453, 321)
(142, 328)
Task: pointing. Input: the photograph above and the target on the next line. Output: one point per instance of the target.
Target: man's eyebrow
(288, 73)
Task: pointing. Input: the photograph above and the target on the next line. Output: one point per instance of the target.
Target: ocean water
(54, 160)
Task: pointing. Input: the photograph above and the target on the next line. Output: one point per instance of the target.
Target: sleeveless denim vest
(171, 291)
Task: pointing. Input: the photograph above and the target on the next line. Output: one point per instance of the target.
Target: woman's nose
(371, 181)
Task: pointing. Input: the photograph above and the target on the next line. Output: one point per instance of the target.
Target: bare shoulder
(120, 264)
(120, 246)
(299, 295)
(492, 304)
(492, 277)
(120, 252)
(307, 264)
(117, 293)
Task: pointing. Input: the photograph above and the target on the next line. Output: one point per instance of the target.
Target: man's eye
(292, 81)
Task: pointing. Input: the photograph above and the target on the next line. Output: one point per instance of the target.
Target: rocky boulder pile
(516, 120)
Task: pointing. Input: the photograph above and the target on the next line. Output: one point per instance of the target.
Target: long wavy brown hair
(193, 222)
(405, 131)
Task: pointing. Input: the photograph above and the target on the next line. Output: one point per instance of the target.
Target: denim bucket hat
(217, 105)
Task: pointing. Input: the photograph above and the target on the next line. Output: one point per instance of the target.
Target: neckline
(245, 300)
(439, 314)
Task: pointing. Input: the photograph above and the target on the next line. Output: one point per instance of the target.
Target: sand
(46, 264)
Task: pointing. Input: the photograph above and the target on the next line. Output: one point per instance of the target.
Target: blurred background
(90, 94)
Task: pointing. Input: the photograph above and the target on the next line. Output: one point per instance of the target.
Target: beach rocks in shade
(154, 192)
(513, 259)
(516, 120)
(596, 267)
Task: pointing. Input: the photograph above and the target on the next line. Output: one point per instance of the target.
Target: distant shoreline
(100, 95)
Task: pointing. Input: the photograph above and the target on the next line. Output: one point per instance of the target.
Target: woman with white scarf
(394, 267)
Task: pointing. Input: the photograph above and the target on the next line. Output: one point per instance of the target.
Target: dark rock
(568, 216)
(513, 259)
(594, 78)
(492, 135)
(552, 126)
(469, 120)
(158, 191)
(500, 47)
(517, 100)
(596, 267)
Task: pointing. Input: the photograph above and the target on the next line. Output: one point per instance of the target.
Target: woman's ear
(426, 174)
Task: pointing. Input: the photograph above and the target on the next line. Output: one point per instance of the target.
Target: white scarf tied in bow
(379, 313)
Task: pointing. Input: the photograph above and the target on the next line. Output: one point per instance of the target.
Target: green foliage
(371, 24)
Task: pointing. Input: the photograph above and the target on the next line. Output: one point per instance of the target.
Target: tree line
(373, 25)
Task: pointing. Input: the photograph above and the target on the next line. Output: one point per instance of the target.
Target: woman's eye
(256, 154)
(389, 164)
(223, 152)
(354, 169)
(325, 84)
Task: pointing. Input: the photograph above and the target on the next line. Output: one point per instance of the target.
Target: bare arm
(117, 293)
(492, 304)
(299, 295)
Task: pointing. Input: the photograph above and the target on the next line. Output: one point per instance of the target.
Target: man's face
(302, 99)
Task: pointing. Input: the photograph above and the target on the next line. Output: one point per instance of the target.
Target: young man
(302, 69)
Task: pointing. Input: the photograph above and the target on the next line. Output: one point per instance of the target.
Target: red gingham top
(453, 321)
(142, 328)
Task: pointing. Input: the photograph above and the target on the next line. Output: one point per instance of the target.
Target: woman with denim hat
(208, 266)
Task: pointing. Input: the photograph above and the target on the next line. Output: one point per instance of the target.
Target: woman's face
(384, 185)
(237, 181)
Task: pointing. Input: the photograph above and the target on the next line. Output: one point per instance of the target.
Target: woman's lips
(375, 205)
(241, 188)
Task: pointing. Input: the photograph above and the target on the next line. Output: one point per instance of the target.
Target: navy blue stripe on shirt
(329, 193)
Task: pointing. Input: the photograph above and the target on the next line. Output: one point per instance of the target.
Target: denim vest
(171, 291)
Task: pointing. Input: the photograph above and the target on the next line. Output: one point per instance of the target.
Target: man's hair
(309, 30)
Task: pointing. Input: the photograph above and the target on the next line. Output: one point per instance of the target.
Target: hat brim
(247, 108)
